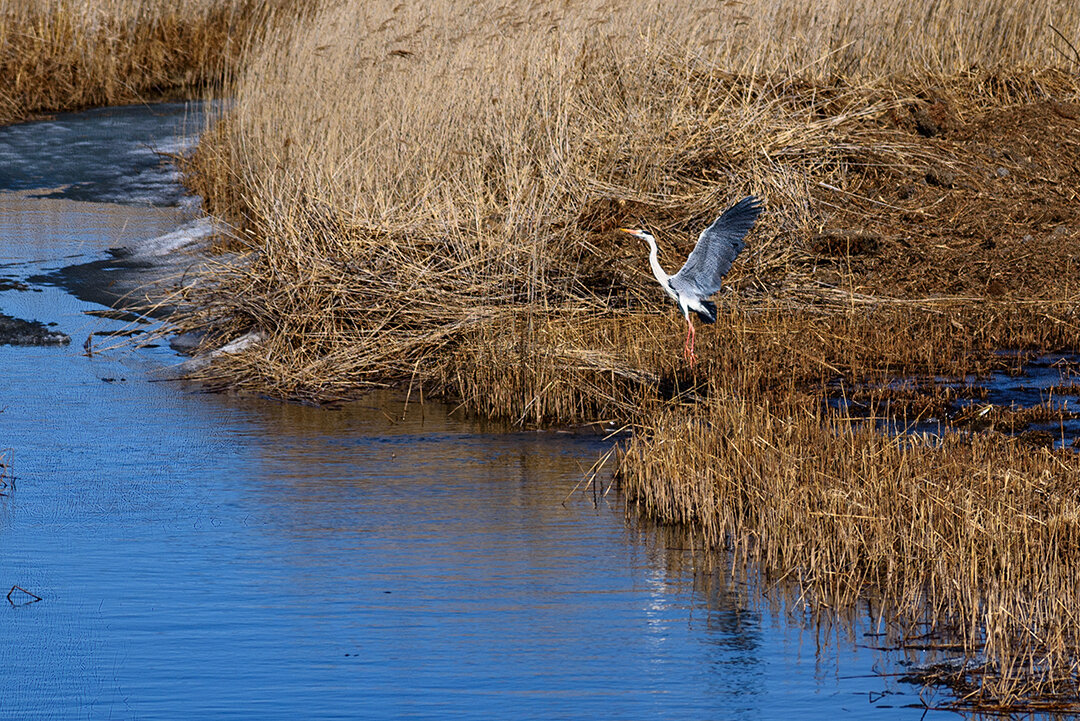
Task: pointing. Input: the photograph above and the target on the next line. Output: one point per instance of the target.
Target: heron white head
(638, 233)
(647, 237)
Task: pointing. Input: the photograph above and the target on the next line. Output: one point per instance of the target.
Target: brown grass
(460, 169)
(967, 539)
(428, 197)
(71, 54)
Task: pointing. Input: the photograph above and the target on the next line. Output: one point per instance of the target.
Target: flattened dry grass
(427, 196)
(409, 178)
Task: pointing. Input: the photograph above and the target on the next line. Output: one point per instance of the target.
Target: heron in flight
(709, 261)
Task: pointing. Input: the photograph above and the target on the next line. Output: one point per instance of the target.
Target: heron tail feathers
(708, 314)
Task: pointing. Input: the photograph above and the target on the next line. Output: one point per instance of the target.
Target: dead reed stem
(72, 54)
(427, 194)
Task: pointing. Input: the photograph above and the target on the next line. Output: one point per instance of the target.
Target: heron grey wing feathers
(716, 249)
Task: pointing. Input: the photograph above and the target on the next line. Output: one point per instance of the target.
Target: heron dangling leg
(688, 344)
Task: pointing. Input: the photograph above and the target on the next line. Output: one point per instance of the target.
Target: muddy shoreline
(346, 548)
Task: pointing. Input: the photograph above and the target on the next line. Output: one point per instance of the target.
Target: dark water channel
(1034, 398)
(206, 556)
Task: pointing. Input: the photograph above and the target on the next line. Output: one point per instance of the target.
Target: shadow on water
(212, 556)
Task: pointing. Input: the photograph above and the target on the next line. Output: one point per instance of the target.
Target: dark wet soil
(986, 207)
(16, 331)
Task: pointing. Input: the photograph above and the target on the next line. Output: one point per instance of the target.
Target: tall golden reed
(419, 173)
(424, 194)
(71, 54)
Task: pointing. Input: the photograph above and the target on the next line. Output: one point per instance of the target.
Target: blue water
(1049, 380)
(211, 556)
(111, 155)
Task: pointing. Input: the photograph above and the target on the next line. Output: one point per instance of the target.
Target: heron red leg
(688, 344)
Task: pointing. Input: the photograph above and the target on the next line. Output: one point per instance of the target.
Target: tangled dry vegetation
(428, 197)
(71, 54)
(430, 194)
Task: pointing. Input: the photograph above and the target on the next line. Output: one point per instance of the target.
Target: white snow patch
(234, 346)
(183, 237)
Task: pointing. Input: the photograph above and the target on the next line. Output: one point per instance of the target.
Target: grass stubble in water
(440, 215)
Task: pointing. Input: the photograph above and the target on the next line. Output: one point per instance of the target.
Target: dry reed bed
(426, 197)
(969, 540)
(71, 54)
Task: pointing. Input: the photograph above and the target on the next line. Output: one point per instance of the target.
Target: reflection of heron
(716, 249)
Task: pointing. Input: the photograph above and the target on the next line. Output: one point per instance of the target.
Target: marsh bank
(214, 555)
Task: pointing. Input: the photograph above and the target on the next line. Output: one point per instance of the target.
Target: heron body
(708, 263)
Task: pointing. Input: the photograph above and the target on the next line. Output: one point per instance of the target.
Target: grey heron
(708, 263)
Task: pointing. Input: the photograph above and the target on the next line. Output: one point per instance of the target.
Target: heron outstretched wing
(716, 249)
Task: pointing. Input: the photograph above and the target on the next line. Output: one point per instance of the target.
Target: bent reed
(427, 197)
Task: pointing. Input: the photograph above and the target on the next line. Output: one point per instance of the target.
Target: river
(211, 556)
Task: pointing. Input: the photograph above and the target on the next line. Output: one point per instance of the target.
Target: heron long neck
(654, 261)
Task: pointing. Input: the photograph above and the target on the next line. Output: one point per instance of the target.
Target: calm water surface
(205, 556)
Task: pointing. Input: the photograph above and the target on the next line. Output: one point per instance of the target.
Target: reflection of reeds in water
(425, 196)
(976, 536)
(7, 471)
(917, 649)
